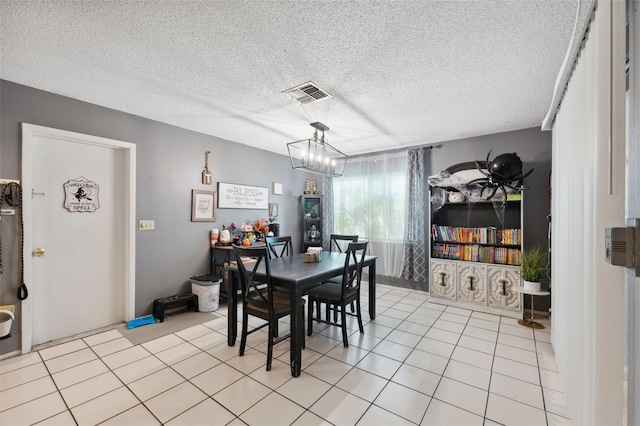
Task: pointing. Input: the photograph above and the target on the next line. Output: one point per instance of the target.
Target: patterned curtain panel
(327, 210)
(416, 241)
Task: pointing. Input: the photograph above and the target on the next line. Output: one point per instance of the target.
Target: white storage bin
(207, 288)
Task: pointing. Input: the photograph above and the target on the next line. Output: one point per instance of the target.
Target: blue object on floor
(137, 322)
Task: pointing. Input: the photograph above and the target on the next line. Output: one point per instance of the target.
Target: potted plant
(534, 268)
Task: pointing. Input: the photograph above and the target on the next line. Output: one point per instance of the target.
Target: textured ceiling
(402, 73)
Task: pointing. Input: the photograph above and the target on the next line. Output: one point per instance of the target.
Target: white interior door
(81, 279)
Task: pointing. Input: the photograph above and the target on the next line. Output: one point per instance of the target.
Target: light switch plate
(146, 225)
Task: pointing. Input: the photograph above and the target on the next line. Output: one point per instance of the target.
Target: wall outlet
(146, 225)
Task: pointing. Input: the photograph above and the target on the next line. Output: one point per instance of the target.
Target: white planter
(6, 319)
(532, 286)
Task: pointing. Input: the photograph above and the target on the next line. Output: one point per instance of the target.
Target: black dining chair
(337, 241)
(259, 300)
(279, 246)
(336, 296)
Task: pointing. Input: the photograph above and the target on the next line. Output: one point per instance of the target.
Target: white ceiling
(402, 73)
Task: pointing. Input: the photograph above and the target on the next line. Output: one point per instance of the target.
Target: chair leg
(343, 314)
(245, 327)
(310, 318)
(270, 343)
(359, 314)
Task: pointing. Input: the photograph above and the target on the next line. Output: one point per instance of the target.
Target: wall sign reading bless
(234, 196)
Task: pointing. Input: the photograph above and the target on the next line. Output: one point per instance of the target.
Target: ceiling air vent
(307, 93)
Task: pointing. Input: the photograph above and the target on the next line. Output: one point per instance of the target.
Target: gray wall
(169, 165)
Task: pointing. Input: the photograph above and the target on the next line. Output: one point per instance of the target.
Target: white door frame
(29, 133)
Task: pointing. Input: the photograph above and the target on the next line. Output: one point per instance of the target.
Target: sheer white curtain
(370, 200)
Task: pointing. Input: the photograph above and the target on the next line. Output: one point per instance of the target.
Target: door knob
(37, 252)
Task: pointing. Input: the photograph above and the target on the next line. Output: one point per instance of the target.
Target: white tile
(340, 408)
(70, 360)
(376, 416)
(427, 361)
(420, 318)
(471, 357)
(23, 375)
(542, 336)
(517, 370)
(454, 327)
(350, 355)
(175, 401)
(62, 349)
(548, 362)
(79, 373)
(417, 379)
(442, 414)
(138, 369)
(392, 350)
(387, 321)
(480, 333)
(556, 402)
(379, 365)
(377, 330)
(406, 307)
(104, 407)
(436, 347)
(193, 332)
(545, 348)
(462, 395)
(91, 388)
(509, 412)
(125, 357)
(477, 344)
(403, 401)
(362, 384)
(483, 323)
(452, 317)
(413, 328)
(162, 343)
(328, 369)
(304, 390)
(208, 340)
(195, 365)
(272, 410)
(465, 373)
(396, 313)
(555, 420)
(177, 353)
(458, 311)
(138, 415)
(516, 341)
(551, 380)
(155, 383)
(216, 378)
(35, 410)
(518, 390)
(204, 413)
(280, 373)
(16, 362)
(241, 395)
(517, 354)
(308, 357)
(516, 330)
(17, 395)
(321, 344)
(307, 419)
(403, 338)
(223, 351)
(111, 346)
(365, 341)
(443, 336)
(485, 316)
(103, 337)
(62, 419)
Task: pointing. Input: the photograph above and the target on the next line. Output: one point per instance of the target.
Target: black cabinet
(311, 210)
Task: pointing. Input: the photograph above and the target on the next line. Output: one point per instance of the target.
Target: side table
(530, 322)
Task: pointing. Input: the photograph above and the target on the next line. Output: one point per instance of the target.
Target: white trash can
(207, 288)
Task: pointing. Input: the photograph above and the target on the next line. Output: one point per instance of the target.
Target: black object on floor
(189, 300)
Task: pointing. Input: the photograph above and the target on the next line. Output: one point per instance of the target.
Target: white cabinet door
(502, 280)
(443, 283)
(472, 282)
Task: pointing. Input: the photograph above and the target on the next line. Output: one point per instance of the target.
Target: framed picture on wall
(203, 206)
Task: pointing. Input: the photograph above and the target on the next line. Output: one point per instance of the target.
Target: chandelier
(315, 155)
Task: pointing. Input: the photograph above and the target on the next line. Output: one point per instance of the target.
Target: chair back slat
(352, 274)
(337, 241)
(279, 246)
(248, 271)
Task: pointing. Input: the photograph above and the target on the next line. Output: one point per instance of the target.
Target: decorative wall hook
(207, 177)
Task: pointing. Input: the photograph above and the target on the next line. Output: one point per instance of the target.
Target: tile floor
(418, 363)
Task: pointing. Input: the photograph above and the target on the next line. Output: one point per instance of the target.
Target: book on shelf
(482, 235)
(473, 253)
